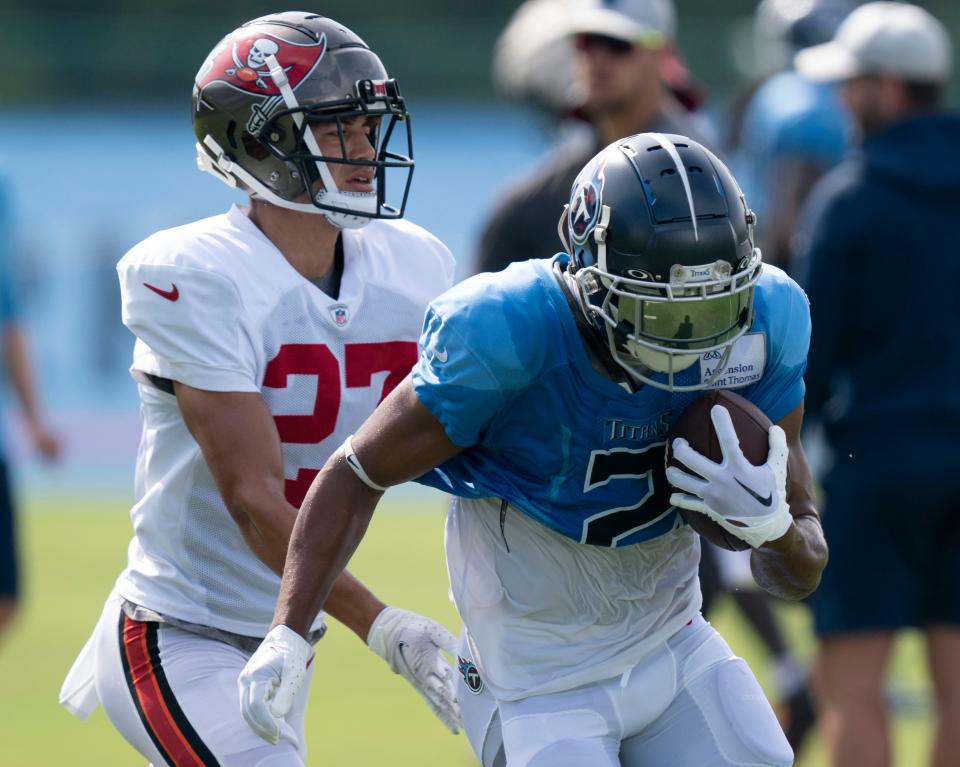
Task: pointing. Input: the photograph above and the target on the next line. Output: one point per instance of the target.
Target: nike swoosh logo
(403, 657)
(171, 295)
(760, 499)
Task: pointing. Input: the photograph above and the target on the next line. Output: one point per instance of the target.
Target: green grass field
(360, 714)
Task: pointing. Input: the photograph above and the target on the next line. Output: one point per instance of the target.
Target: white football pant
(693, 702)
(173, 696)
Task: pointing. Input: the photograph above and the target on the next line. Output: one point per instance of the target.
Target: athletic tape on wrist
(354, 463)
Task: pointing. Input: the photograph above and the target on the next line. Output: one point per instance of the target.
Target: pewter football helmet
(257, 94)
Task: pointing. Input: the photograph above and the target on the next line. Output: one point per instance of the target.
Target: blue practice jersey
(8, 303)
(8, 295)
(504, 369)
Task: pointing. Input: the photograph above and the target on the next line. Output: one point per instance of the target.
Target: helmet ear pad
(283, 177)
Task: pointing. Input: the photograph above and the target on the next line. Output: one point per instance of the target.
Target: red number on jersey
(307, 359)
(361, 361)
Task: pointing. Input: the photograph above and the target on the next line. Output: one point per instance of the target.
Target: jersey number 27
(360, 362)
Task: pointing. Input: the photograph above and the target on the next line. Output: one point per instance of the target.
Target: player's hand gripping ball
(764, 492)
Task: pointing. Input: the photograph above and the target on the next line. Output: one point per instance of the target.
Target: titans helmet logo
(586, 202)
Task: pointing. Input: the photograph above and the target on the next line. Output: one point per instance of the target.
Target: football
(695, 426)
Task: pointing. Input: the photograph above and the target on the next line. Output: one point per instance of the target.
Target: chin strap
(230, 173)
(330, 194)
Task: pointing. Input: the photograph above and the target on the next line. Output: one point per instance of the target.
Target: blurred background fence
(146, 51)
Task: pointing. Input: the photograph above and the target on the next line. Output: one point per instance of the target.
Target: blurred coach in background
(881, 270)
(619, 49)
(16, 366)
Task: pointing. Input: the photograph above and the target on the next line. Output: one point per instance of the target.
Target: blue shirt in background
(789, 116)
(9, 309)
(8, 304)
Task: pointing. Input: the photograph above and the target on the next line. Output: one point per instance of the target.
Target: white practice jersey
(551, 614)
(216, 306)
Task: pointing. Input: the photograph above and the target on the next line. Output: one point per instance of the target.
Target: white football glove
(270, 681)
(411, 644)
(747, 501)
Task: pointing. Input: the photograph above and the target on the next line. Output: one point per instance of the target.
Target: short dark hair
(925, 95)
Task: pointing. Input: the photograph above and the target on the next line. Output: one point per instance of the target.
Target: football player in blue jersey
(541, 401)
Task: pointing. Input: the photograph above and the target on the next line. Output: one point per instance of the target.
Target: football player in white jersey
(265, 336)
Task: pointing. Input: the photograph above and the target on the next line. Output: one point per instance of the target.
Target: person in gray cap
(619, 52)
(880, 268)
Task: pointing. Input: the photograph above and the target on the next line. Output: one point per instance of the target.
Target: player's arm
(238, 438)
(401, 441)
(17, 364)
(790, 566)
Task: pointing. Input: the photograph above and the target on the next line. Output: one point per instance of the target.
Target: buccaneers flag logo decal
(241, 61)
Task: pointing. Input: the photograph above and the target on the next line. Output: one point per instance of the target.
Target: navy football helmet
(259, 91)
(662, 251)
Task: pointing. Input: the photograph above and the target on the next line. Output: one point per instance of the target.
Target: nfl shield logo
(340, 314)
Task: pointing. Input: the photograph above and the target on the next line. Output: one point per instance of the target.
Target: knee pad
(743, 724)
(574, 753)
(573, 738)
